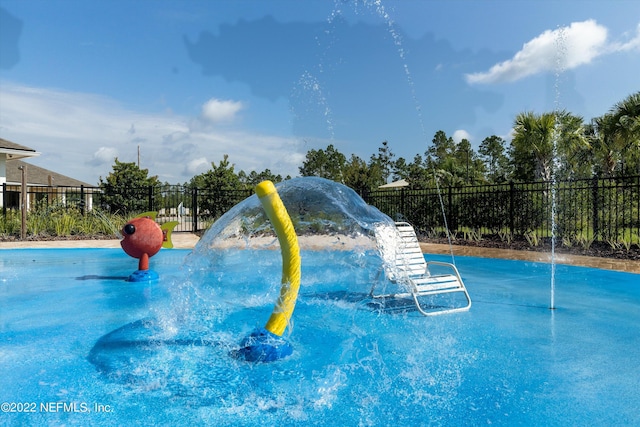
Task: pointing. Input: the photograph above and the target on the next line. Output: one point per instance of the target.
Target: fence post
(82, 203)
(449, 214)
(638, 207)
(364, 193)
(512, 214)
(4, 200)
(594, 212)
(194, 209)
(24, 197)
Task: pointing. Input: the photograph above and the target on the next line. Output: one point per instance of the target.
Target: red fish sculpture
(142, 238)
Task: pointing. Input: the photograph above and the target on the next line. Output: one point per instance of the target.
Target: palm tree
(615, 137)
(572, 148)
(533, 143)
(625, 128)
(603, 147)
(540, 140)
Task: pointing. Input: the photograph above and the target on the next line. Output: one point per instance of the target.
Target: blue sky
(265, 81)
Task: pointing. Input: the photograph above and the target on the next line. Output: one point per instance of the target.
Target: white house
(41, 182)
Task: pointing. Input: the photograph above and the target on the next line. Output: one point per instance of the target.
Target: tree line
(555, 145)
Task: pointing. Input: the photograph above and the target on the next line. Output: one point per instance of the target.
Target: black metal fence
(599, 209)
(194, 209)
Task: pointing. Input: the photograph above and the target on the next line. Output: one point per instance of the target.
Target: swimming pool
(81, 346)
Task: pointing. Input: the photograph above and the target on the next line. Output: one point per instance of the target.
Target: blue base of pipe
(263, 346)
(143, 276)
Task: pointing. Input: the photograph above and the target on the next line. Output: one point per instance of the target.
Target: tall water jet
(560, 56)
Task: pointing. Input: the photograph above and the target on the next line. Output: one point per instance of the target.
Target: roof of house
(396, 184)
(39, 176)
(16, 151)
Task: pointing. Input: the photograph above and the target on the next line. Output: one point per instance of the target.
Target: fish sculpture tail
(168, 228)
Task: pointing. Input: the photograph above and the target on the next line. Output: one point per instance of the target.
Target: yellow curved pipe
(277, 214)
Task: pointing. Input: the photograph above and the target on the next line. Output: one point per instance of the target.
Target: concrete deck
(189, 240)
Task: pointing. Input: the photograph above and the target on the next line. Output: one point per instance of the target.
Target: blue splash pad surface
(97, 350)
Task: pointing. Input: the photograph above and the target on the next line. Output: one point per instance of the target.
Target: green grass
(59, 221)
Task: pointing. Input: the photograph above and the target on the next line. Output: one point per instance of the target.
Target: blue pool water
(81, 346)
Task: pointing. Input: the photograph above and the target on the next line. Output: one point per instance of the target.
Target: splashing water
(309, 95)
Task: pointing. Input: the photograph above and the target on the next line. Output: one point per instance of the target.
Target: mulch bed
(48, 238)
(597, 249)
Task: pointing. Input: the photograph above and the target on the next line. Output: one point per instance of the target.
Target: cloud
(80, 134)
(197, 166)
(631, 45)
(461, 134)
(554, 50)
(104, 156)
(216, 110)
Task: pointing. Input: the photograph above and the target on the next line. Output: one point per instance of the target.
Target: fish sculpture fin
(167, 229)
(150, 214)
